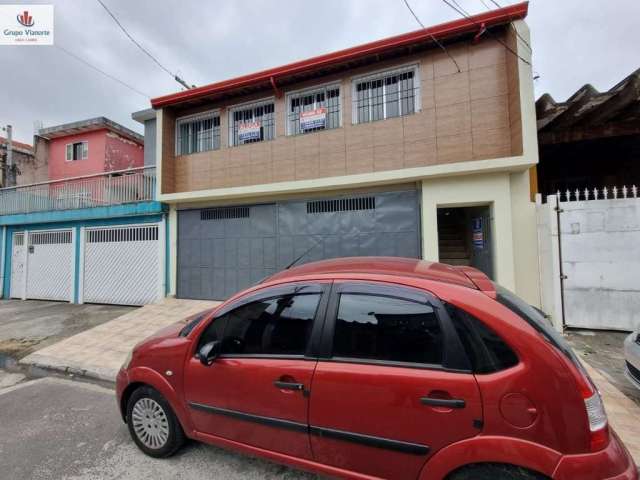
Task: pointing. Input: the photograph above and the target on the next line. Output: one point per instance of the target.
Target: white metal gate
(16, 284)
(50, 263)
(122, 265)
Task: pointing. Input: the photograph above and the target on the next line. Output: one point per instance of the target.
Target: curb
(36, 362)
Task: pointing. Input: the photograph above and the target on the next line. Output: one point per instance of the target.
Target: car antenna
(300, 257)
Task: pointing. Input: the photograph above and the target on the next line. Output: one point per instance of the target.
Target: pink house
(89, 147)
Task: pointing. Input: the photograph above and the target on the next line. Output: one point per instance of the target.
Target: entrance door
(50, 260)
(17, 266)
(464, 237)
(386, 400)
(256, 391)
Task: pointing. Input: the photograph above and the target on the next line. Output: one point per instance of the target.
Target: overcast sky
(574, 42)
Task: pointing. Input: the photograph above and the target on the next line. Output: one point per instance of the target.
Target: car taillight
(598, 425)
(597, 416)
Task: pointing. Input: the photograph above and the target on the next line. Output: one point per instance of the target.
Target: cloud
(574, 42)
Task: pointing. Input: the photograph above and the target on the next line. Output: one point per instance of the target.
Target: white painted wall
(601, 260)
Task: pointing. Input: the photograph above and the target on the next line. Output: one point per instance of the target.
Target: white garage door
(50, 262)
(122, 265)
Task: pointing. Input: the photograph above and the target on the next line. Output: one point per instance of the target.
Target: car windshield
(536, 319)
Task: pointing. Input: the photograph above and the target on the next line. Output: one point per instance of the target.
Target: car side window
(213, 332)
(388, 329)
(276, 326)
(486, 350)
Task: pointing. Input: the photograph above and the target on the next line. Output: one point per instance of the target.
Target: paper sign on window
(249, 131)
(313, 119)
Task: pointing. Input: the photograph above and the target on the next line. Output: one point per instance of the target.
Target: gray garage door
(223, 250)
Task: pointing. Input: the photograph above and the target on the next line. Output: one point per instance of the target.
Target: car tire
(492, 471)
(152, 424)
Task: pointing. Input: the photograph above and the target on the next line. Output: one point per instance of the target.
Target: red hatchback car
(375, 367)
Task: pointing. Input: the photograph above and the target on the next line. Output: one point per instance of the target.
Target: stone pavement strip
(623, 413)
(100, 351)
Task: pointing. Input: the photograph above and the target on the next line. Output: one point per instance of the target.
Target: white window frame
(85, 151)
(397, 70)
(190, 118)
(244, 106)
(306, 91)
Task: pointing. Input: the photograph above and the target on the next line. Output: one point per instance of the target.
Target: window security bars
(197, 134)
(313, 110)
(126, 234)
(224, 213)
(49, 238)
(341, 205)
(252, 123)
(385, 95)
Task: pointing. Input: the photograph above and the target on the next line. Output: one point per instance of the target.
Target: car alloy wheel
(150, 423)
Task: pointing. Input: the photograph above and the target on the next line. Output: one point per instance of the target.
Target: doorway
(464, 237)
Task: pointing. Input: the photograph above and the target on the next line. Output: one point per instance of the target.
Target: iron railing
(109, 188)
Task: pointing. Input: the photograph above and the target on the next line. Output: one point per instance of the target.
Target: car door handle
(279, 384)
(443, 402)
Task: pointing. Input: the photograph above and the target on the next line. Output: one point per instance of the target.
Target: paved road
(59, 429)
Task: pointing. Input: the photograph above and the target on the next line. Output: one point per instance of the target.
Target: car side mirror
(209, 352)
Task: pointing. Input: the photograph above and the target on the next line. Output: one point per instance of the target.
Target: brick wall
(469, 115)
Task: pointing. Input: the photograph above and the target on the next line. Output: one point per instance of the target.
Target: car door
(257, 390)
(392, 385)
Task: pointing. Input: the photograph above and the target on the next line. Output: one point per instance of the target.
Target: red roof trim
(444, 30)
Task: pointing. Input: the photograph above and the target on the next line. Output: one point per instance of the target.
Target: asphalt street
(60, 429)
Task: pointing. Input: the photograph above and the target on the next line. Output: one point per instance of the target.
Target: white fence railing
(109, 188)
(604, 193)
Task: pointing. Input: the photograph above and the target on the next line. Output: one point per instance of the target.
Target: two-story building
(387, 148)
(92, 232)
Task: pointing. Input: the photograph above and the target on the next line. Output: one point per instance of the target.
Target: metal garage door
(18, 248)
(222, 250)
(122, 265)
(50, 260)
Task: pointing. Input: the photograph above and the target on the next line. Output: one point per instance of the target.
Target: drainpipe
(563, 277)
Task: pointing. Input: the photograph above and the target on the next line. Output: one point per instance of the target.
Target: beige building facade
(460, 136)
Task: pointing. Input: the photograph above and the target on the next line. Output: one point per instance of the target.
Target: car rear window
(486, 350)
(536, 319)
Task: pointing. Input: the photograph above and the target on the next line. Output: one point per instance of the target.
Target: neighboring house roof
(144, 115)
(89, 125)
(589, 111)
(348, 58)
(19, 146)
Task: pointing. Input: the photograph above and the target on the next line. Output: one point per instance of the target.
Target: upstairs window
(386, 95)
(198, 133)
(77, 151)
(312, 110)
(252, 123)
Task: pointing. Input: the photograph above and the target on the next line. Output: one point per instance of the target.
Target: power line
(146, 52)
(442, 47)
(499, 40)
(85, 62)
(522, 39)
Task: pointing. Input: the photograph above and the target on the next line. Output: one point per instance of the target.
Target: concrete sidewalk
(99, 352)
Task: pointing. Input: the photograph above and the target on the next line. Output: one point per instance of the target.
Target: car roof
(393, 266)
